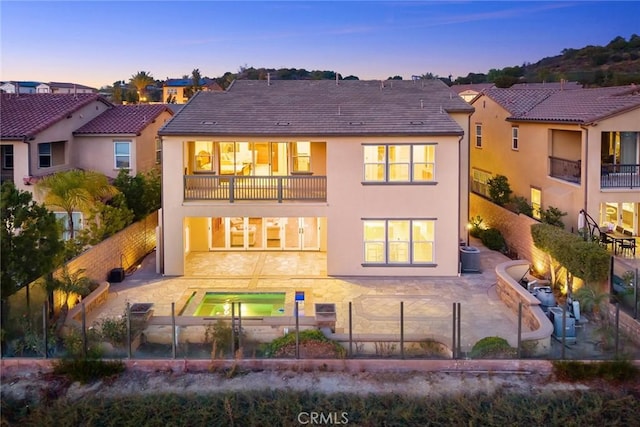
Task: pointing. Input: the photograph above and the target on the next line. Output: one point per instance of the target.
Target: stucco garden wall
(515, 228)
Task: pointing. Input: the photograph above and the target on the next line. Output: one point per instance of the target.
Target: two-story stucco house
(375, 173)
(174, 90)
(570, 149)
(123, 137)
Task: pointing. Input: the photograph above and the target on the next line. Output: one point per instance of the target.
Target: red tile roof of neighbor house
(567, 106)
(123, 119)
(25, 115)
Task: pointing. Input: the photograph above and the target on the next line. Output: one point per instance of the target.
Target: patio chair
(628, 245)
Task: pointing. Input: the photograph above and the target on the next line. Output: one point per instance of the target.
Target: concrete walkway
(428, 302)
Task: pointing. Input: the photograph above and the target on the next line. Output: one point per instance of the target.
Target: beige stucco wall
(348, 202)
(20, 164)
(528, 166)
(96, 152)
(63, 131)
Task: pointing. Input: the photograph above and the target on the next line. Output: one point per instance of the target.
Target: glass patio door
(301, 233)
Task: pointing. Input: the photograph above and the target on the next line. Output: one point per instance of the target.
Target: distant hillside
(617, 63)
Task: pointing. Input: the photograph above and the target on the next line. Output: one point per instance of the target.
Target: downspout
(460, 188)
(586, 168)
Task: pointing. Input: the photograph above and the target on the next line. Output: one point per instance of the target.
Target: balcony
(567, 170)
(242, 188)
(620, 176)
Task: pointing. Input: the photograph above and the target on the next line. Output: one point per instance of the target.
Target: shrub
(552, 216)
(87, 370)
(612, 370)
(519, 204)
(475, 226)
(308, 335)
(492, 347)
(492, 239)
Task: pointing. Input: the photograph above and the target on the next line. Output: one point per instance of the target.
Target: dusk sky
(97, 42)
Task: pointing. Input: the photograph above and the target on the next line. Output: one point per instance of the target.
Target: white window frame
(382, 248)
(78, 218)
(515, 134)
(42, 155)
(412, 176)
(116, 155)
(478, 142)
(536, 208)
(158, 150)
(479, 179)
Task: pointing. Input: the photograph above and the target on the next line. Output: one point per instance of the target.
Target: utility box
(555, 315)
(326, 315)
(116, 275)
(469, 259)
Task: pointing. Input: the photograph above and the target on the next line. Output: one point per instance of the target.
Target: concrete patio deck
(428, 301)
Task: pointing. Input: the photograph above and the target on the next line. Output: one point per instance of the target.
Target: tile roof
(476, 87)
(548, 85)
(123, 119)
(570, 106)
(585, 105)
(185, 82)
(322, 107)
(25, 115)
(64, 85)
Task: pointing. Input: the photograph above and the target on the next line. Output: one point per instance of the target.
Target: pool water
(254, 304)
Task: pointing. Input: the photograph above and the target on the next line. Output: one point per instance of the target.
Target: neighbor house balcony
(234, 188)
(620, 176)
(567, 170)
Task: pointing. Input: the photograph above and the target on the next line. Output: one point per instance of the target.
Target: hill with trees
(616, 64)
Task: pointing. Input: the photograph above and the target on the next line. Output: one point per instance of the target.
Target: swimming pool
(254, 304)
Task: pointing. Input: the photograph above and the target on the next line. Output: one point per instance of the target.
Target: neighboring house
(375, 173)
(174, 89)
(123, 137)
(470, 91)
(58, 87)
(561, 85)
(36, 133)
(23, 87)
(570, 149)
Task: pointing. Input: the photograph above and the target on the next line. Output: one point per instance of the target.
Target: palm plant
(140, 81)
(75, 190)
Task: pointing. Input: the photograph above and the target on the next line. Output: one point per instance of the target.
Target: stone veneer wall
(511, 293)
(515, 228)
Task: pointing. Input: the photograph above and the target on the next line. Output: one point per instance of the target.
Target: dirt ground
(29, 385)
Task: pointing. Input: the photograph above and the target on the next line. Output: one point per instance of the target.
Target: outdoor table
(618, 239)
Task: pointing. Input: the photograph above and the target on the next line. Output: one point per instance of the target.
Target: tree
(499, 189)
(30, 240)
(141, 192)
(75, 190)
(140, 81)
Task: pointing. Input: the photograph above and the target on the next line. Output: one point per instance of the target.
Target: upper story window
(158, 150)
(50, 154)
(399, 241)
(515, 132)
(478, 135)
(399, 163)
(122, 154)
(301, 156)
(7, 157)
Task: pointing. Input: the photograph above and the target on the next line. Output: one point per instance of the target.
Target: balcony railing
(567, 170)
(234, 188)
(620, 176)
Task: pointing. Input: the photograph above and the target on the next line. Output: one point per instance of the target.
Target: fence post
(44, 328)
(519, 330)
(350, 331)
(233, 328)
(84, 331)
(564, 328)
(239, 325)
(129, 330)
(297, 333)
(402, 329)
(459, 331)
(174, 335)
(617, 327)
(454, 341)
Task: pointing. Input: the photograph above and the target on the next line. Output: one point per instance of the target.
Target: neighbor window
(63, 219)
(158, 151)
(479, 181)
(536, 197)
(50, 154)
(399, 163)
(479, 135)
(514, 138)
(7, 156)
(399, 241)
(122, 154)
